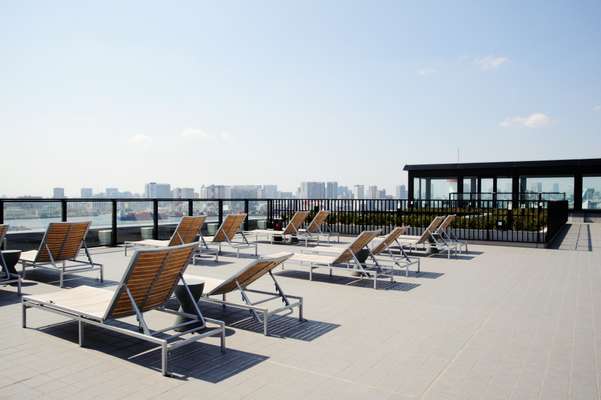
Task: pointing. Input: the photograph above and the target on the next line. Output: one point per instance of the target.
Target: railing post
(155, 219)
(246, 212)
(1, 212)
(114, 223)
(190, 208)
(220, 215)
(63, 210)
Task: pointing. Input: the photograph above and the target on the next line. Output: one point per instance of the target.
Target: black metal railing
(116, 220)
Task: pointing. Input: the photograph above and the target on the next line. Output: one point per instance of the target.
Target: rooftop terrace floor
(499, 323)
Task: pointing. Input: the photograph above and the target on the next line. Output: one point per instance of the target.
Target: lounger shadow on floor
(198, 360)
(70, 280)
(383, 283)
(286, 327)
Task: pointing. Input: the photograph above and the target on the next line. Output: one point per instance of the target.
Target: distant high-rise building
(215, 192)
(400, 192)
(382, 194)
(58, 193)
(86, 193)
(344, 192)
(332, 190)
(555, 188)
(245, 191)
(372, 192)
(268, 192)
(359, 191)
(112, 192)
(312, 190)
(183, 193)
(157, 190)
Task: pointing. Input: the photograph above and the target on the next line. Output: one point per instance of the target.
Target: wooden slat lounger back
(389, 239)
(429, 230)
(63, 240)
(151, 278)
(447, 222)
(297, 220)
(3, 230)
(251, 273)
(360, 242)
(187, 230)
(229, 227)
(319, 219)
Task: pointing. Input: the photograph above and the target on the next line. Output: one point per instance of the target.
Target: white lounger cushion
(29, 255)
(313, 258)
(264, 232)
(152, 242)
(83, 300)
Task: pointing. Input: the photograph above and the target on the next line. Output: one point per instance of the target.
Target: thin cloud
(426, 71)
(597, 108)
(140, 139)
(490, 63)
(536, 120)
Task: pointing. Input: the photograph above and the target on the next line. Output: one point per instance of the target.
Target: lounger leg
(222, 339)
(223, 305)
(23, 315)
(19, 286)
(61, 272)
(164, 360)
(125, 248)
(300, 310)
(311, 273)
(80, 326)
(23, 271)
(101, 274)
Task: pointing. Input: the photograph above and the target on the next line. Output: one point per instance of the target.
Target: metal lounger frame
(365, 271)
(229, 242)
(7, 277)
(51, 265)
(260, 314)
(175, 235)
(167, 344)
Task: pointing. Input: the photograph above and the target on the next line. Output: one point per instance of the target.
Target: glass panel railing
(170, 213)
(99, 214)
(134, 220)
(27, 222)
(211, 210)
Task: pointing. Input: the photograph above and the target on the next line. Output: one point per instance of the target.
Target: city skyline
(290, 91)
(331, 189)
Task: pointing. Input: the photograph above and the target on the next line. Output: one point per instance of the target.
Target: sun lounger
(59, 250)
(388, 260)
(6, 276)
(187, 231)
(427, 241)
(290, 230)
(147, 284)
(445, 232)
(240, 281)
(226, 236)
(314, 230)
(348, 257)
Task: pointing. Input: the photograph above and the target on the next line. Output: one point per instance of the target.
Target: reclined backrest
(63, 240)
(389, 239)
(251, 273)
(151, 277)
(187, 230)
(359, 243)
(430, 230)
(230, 226)
(447, 222)
(319, 219)
(297, 220)
(3, 230)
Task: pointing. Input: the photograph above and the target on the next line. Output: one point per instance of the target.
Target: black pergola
(508, 169)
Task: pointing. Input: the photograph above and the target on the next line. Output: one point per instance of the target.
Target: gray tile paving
(501, 323)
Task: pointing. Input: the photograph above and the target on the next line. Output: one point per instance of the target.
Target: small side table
(196, 286)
